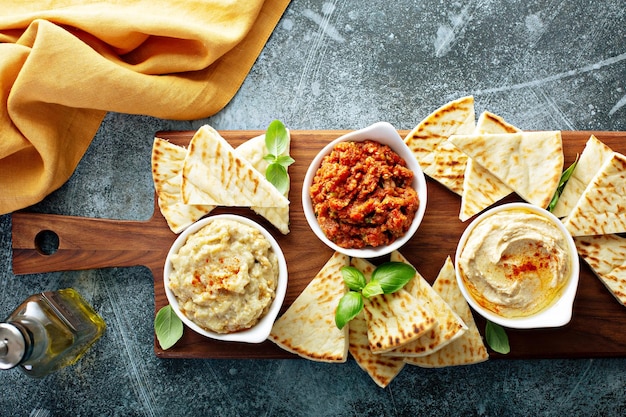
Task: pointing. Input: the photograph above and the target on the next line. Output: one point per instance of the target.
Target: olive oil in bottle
(48, 331)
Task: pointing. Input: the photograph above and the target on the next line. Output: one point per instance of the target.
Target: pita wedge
(593, 156)
(438, 159)
(530, 163)
(382, 369)
(601, 209)
(469, 347)
(447, 165)
(308, 327)
(214, 174)
(606, 256)
(392, 319)
(481, 188)
(449, 325)
(167, 166)
(253, 150)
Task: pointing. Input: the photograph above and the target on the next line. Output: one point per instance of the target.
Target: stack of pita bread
(191, 182)
(487, 160)
(424, 325)
(593, 208)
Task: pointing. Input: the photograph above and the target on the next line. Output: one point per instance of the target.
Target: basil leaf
(497, 338)
(392, 276)
(372, 288)
(168, 327)
(276, 138)
(350, 305)
(284, 160)
(354, 279)
(562, 181)
(270, 158)
(277, 175)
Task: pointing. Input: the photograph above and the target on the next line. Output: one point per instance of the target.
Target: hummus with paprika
(225, 276)
(515, 263)
(362, 195)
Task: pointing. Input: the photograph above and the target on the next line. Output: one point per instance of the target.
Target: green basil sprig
(277, 141)
(559, 189)
(497, 338)
(387, 278)
(168, 327)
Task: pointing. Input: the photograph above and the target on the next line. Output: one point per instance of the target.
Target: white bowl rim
(555, 315)
(260, 331)
(385, 133)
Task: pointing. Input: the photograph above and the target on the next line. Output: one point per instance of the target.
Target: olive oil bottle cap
(12, 346)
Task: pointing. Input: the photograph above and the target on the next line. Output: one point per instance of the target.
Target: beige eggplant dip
(515, 262)
(225, 276)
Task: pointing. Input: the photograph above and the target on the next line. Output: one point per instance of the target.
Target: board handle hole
(47, 242)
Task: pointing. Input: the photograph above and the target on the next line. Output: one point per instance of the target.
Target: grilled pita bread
(214, 174)
(606, 256)
(437, 159)
(469, 347)
(449, 325)
(392, 319)
(481, 188)
(601, 208)
(253, 150)
(308, 326)
(594, 155)
(535, 161)
(455, 117)
(447, 165)
(382, 369)
(167, 164)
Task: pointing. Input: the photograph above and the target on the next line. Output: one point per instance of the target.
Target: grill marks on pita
(428, 142)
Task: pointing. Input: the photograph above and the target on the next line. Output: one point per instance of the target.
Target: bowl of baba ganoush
(364, 194)
(517, 266)
(226, 277)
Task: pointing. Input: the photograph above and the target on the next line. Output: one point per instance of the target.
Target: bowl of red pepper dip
(364, 194)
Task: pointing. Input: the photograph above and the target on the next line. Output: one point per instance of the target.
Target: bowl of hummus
(364, 194)
(225, 277)
(518, 267)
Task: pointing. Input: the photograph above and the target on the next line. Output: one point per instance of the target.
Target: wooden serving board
(596, 330)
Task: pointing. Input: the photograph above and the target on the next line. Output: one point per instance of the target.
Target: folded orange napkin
(65, 63)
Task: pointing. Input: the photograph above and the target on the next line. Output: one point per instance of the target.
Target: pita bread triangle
(382, 369)
(253, 150)
(447, 165)
(167, 164)
(530, 163)
(392, 319)
(437, 159)
(601, 209)
(214, 174)
(469, 347)
(593, 156)
(449, 325)
(606, 256)
(308, 327)
(481, 188)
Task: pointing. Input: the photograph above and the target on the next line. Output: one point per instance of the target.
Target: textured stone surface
(333, 65)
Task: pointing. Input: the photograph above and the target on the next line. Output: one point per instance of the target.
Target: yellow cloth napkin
(65, 63)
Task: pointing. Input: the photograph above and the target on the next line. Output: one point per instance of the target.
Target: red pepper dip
(362, 195)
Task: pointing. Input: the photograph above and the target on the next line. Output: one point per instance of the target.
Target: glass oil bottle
(48, 331)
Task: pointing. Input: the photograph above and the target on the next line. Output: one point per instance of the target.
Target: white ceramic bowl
(559, 312)
(386, 134)
(259, 332)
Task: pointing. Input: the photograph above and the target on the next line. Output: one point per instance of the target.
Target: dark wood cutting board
(596, 330)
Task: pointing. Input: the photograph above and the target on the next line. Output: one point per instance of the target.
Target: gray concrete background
(541, 64)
